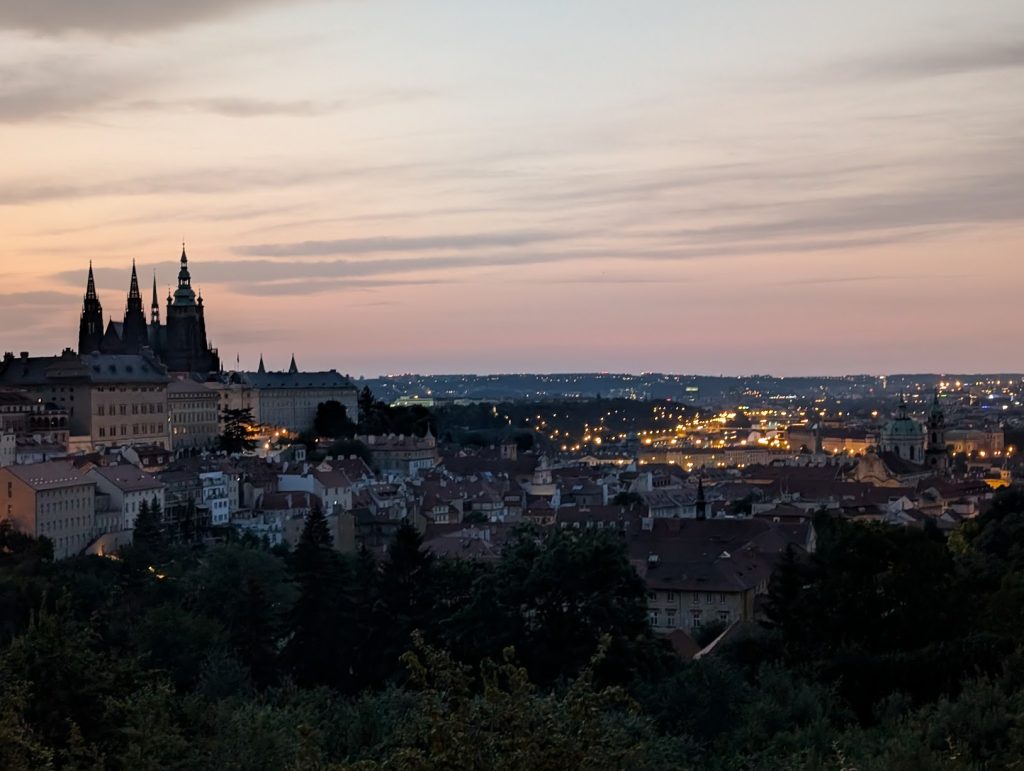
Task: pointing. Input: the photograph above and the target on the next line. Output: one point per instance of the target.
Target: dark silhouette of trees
(332, 421)
(149, 533)
(240, 430)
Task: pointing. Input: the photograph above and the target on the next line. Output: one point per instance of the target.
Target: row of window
(695, 597)
(125, 389)
(58, 507)
(137, 408)
(137, 428)
(50, 526)
(671, 619)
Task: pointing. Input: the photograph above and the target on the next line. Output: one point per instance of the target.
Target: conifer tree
(319, 649)
(148, 530)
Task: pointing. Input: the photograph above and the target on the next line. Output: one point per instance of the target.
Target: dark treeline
(888, 649)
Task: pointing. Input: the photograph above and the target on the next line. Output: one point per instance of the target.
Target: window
(695, 619)
(708, 598)
(696, 598)
(721, 598)
(670, 618)
(723, 616)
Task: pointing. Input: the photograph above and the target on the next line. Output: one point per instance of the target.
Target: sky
(388, 186)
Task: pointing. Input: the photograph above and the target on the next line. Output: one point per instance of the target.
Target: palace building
(180, 342)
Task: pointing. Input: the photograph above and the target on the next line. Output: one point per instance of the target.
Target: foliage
(499, 720)
(240, 430)
(332, 420)
(149, 526)
(887, 649)
(377, 417)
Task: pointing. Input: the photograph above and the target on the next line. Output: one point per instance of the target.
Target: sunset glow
(732, 187)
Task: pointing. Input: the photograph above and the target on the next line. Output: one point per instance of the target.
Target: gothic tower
(134, 335)
(185, 346)
(154, 308)
(90, 329)
(937, 457)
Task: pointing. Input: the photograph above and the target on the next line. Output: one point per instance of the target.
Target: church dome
(903, 428)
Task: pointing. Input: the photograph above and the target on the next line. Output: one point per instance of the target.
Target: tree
(628, 499)
(247, 590)
(240, 430)
(404, 598)
(553, 596)
(508, 724)
(20, 748)
(148, 533)
(319, 649)
(332, 420)
(377, 417)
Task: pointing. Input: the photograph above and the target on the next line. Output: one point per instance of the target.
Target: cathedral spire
(292, 369)
(133, 290)
(90, 328)
(263, 369)
(90, 287)
(184, 279)
(154, 308)
(133, 331)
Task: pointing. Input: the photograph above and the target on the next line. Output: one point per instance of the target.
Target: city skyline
(385, 187)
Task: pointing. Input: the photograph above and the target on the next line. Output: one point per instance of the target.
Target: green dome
(903, 428)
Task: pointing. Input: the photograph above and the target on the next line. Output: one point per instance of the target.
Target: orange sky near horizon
(389, 187)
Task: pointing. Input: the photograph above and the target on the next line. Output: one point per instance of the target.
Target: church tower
(186, 347)
(937, 457)
(154, 308)
(90, 329)
(134, 335)
(904, 437)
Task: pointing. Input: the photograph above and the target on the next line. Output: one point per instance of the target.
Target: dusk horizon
(381, 187)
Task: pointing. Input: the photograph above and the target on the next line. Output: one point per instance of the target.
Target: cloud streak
(983, 56)
(199, 181)
(120, 17)
(450, 242)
